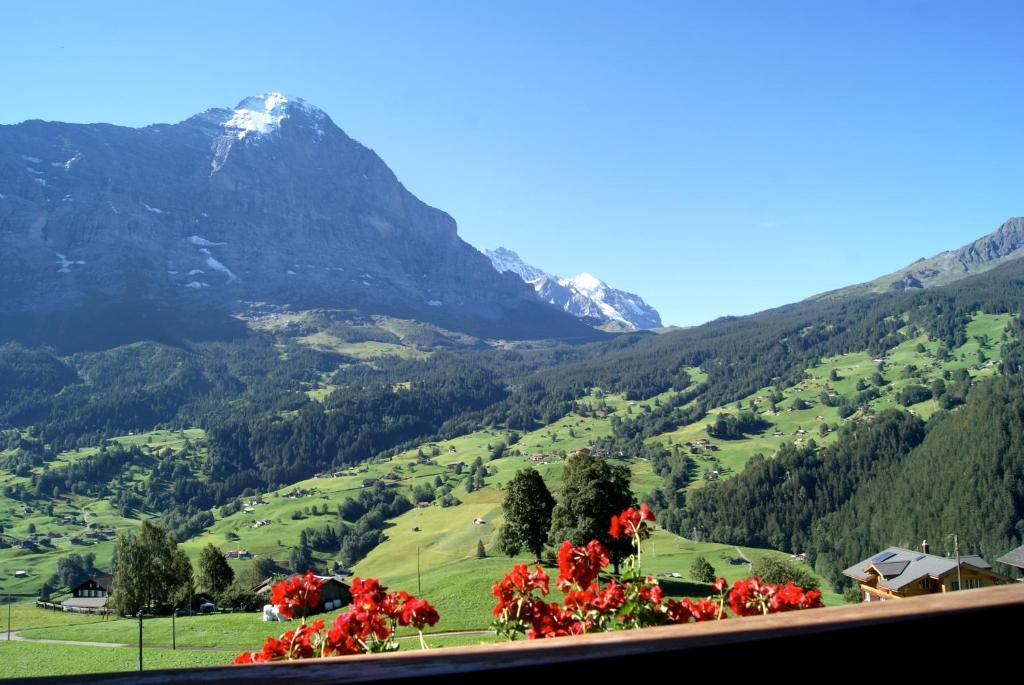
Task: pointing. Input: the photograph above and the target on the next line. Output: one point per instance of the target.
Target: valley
(236, 348)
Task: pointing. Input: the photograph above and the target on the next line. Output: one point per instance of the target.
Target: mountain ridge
(269, 201)
(1003, 244)
(583, 295)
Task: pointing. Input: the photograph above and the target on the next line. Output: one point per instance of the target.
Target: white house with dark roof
(897, 572)
(90, 595)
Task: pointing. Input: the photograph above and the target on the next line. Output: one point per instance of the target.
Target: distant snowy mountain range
(584, 295)
(174, 230)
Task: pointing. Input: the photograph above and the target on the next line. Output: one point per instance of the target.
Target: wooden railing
(975, 632)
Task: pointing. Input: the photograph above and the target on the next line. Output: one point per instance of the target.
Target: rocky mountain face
(584, 296)
(267, 202)
(1002, 245)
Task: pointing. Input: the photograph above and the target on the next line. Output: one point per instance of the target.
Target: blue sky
(716, 158)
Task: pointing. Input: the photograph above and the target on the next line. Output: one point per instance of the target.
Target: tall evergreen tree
(527, 507)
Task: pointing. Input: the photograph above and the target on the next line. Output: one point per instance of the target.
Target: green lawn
(25, 660)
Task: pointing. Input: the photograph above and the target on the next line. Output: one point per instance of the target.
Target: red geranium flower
(418, 613)
(298, 594)
(580, 566)
(628, 522)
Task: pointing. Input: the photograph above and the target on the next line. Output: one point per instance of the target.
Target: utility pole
(956, 547)
(419, 584)
(174, 630)
(140, 640)
(8, 615)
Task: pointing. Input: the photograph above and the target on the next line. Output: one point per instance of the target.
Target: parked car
(182, 611)
(207, 608)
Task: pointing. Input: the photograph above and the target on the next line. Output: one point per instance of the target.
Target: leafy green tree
(149, 570)
(777, 571)
(215, 575)
(593, 491)
(527, 506)
(702, 571)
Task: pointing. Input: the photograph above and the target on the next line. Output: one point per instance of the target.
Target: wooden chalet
(91, 594)
(896, 573)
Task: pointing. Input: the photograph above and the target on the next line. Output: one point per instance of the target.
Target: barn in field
(334, 592)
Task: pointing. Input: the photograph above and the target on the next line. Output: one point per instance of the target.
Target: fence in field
(973, 633)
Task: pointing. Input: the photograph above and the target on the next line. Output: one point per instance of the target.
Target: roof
(266, 586)
(898, 567)
(86, 602)
(332, 579)
(104, 580)
(1015, 557)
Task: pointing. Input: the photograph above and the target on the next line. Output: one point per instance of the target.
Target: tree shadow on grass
(674, 587)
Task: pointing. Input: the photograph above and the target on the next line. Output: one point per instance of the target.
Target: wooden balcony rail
(972, 632)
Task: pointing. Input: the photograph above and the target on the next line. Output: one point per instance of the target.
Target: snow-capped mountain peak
(587, 283)
(258, 118)
(504, 260)
(583, 295)
(263, 114)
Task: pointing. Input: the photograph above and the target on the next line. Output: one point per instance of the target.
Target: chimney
(924, 546)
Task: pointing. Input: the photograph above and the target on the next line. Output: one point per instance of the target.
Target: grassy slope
(236, 531)
(16, 516)
(733, 455)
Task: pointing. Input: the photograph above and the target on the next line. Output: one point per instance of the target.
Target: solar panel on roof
(878, 558)
(919, 558)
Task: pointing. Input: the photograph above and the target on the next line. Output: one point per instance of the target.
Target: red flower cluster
(300, 594)
(301, 643)
(579, 566)
(753, 596)
(628, 523)
(368, 625)
(589, 606)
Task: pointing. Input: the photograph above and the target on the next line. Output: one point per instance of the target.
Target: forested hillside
(281, 404)
(893, 481)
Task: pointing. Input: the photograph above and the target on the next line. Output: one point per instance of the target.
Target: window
(954, 585)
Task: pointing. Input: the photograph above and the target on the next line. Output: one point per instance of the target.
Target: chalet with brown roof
(896, 573)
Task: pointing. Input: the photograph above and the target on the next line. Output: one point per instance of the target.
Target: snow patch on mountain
(203, 242)
(66, 264)
(261, 114)
(217, 266)
(583, 295)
